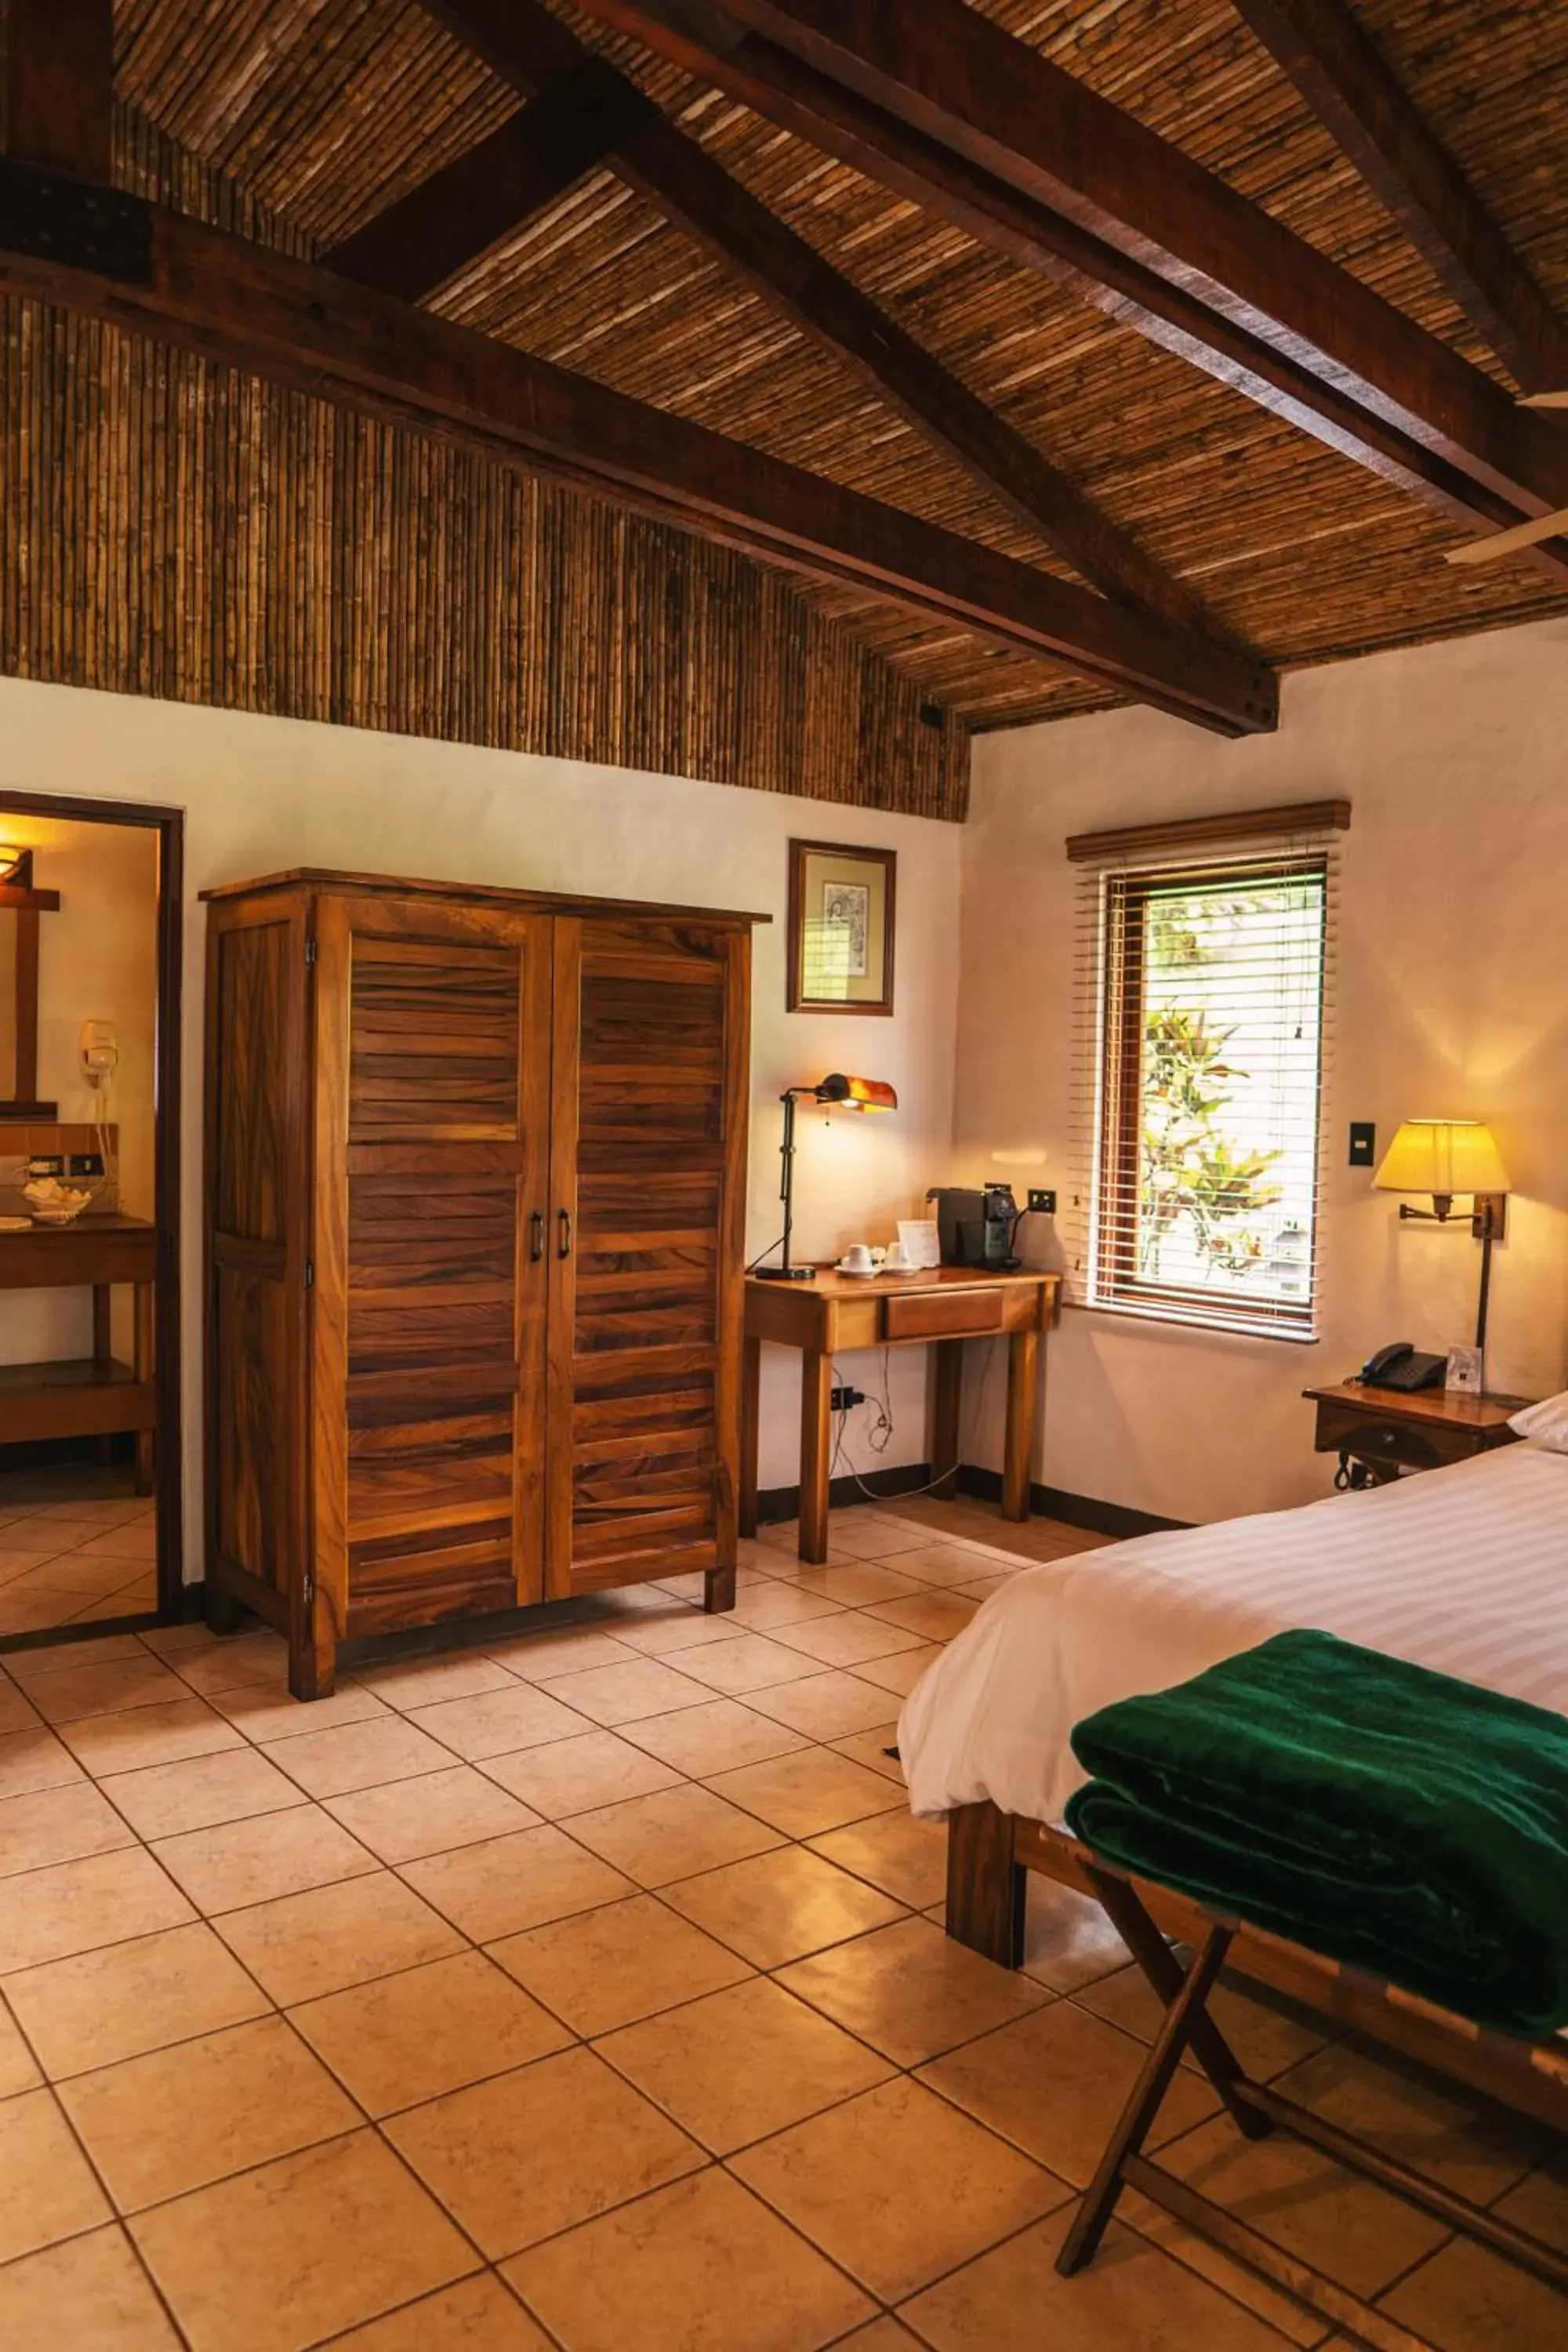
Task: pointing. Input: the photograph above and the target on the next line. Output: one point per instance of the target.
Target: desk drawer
(1411, 1445)
(942, 1314)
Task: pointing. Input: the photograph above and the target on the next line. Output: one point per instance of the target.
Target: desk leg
(751, 1410)
(144, 1368)
(1023, 1373)
(947, 1400)
(815, 1452)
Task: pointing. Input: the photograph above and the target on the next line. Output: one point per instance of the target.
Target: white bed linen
(1463, 1569)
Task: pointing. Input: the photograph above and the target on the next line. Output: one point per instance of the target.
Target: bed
(1463, 1569)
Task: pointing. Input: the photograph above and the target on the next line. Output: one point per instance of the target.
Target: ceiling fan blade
(1505, 543)
(1543, 400)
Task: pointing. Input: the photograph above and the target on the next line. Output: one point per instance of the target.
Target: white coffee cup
(857, 1258)
(894, 1261)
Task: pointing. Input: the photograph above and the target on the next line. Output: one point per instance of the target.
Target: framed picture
(841, 913)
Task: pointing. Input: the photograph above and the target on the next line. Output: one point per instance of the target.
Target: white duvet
(1464, 1569)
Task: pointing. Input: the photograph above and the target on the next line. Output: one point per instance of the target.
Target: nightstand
(1378, 1432)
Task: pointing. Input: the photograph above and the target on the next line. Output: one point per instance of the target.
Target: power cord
(880, 1434)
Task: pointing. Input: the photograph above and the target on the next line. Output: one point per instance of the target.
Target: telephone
(1402, 1366)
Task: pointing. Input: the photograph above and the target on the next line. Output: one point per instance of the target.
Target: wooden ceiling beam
(111, 256)
(457, 213)
(1451, 434)
(523, 43)
(59, 85)
(1346, 81)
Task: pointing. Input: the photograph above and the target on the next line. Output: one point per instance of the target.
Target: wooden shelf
(85, 1396)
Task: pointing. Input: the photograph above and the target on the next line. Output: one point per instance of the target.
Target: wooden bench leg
(1164, 1975)
(986, 1889)
(1133, 2123)
(718, 1590)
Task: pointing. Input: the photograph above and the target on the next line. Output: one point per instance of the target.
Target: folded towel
(1393, 1817)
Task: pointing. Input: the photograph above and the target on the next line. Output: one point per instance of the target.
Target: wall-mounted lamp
(1445, 1156)
(16, 866)
(837, 1091)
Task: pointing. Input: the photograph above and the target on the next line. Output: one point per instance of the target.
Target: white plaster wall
(262, 793)
(96, 962)
(1450, 996)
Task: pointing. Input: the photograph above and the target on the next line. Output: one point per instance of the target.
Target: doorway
(92, 898)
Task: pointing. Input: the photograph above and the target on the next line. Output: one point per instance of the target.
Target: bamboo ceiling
(325, 111)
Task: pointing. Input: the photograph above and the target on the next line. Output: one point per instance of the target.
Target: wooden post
(986, 1889)
(751, 1410)
(815, 1451)
(1023, 1374)
(947, 1397)
(60, 91)
(143, 1366)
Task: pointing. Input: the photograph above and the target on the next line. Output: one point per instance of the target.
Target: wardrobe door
(433, 1056)
(257, 1236)
(646, 1198)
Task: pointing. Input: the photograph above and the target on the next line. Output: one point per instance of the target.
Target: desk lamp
(851, 1094)
(1442, 1157)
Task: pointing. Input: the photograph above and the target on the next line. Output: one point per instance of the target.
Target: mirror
(21, 905)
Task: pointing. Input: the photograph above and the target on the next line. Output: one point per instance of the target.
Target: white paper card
(919, 1236)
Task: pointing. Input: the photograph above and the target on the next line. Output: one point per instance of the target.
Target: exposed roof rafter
(977, 128)
(451, 218)
(532, 51)
(112, 256)
(59, 59)
(1348, 83)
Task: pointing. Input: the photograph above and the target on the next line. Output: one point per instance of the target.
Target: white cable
(885, 1422)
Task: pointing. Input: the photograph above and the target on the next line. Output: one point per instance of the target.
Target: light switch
(1363, 1143)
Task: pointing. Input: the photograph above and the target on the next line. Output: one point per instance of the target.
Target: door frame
(168, 1474)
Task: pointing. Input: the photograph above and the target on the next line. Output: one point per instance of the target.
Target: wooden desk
(1377, 1433)
(88, 1396)
(834, 1313)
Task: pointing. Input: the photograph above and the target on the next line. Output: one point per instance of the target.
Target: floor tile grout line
(117, 2218)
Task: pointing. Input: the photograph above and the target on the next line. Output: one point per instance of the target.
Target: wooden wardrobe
(475, 1198)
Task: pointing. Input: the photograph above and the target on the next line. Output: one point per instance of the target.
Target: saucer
(861, 1273)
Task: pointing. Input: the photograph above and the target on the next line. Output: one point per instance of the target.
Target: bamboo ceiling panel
(325, 111)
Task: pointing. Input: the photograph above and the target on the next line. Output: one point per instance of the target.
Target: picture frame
(1466, 1372)
(840, 939)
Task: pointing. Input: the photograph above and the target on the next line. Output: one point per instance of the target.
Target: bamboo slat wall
(169, 528)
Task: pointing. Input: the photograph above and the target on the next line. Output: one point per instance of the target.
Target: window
(1209, 1027)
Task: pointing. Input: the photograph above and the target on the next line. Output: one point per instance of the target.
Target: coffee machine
(975, 1225)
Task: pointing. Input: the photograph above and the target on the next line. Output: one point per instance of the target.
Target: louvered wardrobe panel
(429, 1308)
(648, 1161)
(475, 1176)
(256, 1242)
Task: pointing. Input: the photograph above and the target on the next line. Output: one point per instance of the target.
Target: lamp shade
(856, 1094)
(1442, 1156)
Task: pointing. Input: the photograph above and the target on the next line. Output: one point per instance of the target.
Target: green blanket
(1389, 1817)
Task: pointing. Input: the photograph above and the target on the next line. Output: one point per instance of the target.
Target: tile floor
(74, 1546)
(587, 1988)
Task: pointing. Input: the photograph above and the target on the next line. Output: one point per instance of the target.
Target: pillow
(1547, 1423)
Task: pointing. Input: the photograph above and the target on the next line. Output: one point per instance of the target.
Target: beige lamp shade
(1442, 1156)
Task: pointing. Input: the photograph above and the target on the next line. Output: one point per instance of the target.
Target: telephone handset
(1401, 1365)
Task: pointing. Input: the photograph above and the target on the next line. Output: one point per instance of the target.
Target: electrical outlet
(840, 1400)
(84, 1163)
(1044, 1201)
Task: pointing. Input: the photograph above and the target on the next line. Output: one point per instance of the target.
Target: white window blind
(1203, 975)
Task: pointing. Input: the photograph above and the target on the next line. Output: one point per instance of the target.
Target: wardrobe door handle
(564, 1239)
(536, 1237)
